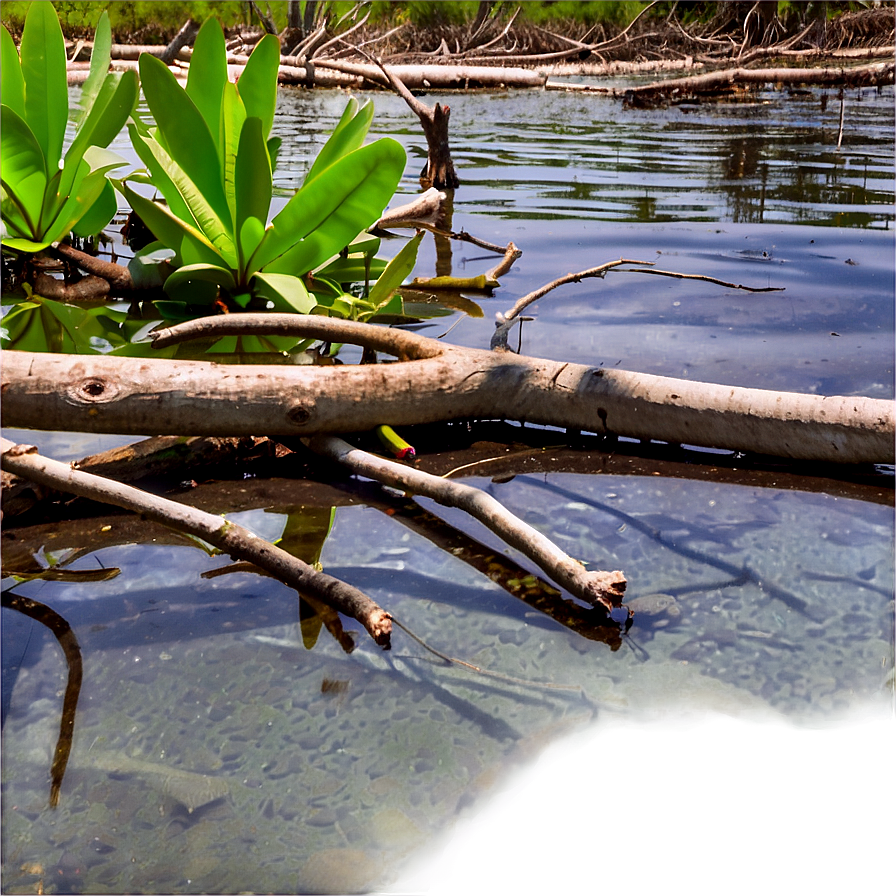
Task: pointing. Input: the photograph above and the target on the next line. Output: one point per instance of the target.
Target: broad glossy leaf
(151, 266)
(333, 209)
(12, 222)
(208, 74)
(217, 230)
(23, 244)
(396, 272)
(100, 57)
(354, 269)
(258, 82)
(187, 138)
(13, 84)
(194, 273)
(253, 188)
(89, 185)
(347, 136)
(286, 292)
(115, 100)
(233, 116)
(46, 85)
(188, 242)
(23, 167)
(99, 214)
(140, 137)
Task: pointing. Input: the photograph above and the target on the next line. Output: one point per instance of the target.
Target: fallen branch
(597, 587)
(859, 76)
(229, 537)
(63, 633)
(508, 318)
(439, 382)
(439, 77)
(424, 209)
(504, 322)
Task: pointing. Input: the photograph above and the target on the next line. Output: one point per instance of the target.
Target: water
(776, 603)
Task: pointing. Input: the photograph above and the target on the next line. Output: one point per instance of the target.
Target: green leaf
(140, 137)
(187, 138)
(347, 136)
(115, 100)
(395, 273)
(253, 187)
(23, 167)
(209, 273)
(257, 84)
(89, 185)
(188, 242)
(208, 74)
(233, 116)
(46, 84)
(354, 269)
(286, 292)
(335, 207)
(99, 214)
(274, 144)
(13, 83)
(217, 230)
(151, 266)
(100, 57)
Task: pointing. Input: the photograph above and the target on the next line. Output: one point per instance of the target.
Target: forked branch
(239, 543)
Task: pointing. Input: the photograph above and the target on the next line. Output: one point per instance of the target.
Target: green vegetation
(154, 22)
(209, 152)
(42, 200)
(211, 156)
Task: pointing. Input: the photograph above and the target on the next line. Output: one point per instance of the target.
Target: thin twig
(534, 296)
(229, 537)
(597, 587)
(704, 277)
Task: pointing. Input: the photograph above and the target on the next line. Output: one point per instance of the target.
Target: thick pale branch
(229, 537)
(160, 397)
(400, 343)
(596, 587)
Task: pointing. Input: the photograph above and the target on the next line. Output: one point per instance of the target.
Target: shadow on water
(225, 741)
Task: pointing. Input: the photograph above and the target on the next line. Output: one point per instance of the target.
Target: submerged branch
(72, 652)
(601, 587)
(227, 536)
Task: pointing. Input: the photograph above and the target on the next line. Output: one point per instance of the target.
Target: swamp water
(214, 752)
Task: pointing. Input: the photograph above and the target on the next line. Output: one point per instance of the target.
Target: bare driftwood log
(435, 383)
(441, 77)
(859, 76)
(229, 537)
(597, 586)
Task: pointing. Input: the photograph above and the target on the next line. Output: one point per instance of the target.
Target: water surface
(755, 602)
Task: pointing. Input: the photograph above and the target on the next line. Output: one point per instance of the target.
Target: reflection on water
(215, 752)
(324, 769)
(547, 155)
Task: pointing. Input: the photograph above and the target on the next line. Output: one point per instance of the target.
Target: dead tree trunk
(434, 382)
(439, 169)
